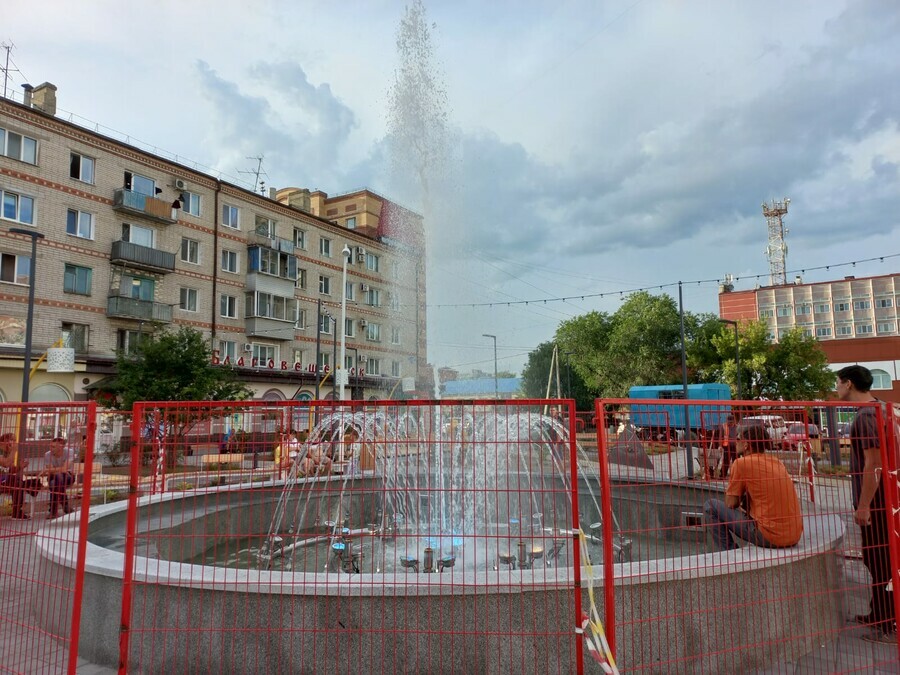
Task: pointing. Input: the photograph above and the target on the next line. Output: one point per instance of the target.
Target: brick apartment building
(133, 241)
(854, 320)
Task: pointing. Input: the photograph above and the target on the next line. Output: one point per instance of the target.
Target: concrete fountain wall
(314, 622)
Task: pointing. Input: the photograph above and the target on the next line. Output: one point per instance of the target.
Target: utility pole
(776, 250)
(8, 47)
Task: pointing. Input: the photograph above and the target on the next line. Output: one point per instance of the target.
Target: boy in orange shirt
(771, 517)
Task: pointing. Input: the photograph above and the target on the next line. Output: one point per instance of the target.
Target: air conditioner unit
(360, 254)
(363, 323)
(179, 184)
(364, 288)
(248, 347)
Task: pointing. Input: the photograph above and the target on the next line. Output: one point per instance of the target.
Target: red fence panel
(717, 575)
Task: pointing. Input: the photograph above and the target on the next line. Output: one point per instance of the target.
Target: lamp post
(496, 387)
(346, 252)
(568, 374)
(737, 354)
(318, 342)
(29, 322)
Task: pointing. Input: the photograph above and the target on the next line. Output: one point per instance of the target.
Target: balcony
(136, 203)
(261, 238)
(272, 329)
(121, 307)
(142, 257)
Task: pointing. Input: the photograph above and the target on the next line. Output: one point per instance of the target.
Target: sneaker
(879, 637)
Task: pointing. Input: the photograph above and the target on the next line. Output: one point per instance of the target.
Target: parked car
(798, 432)
(774, 424)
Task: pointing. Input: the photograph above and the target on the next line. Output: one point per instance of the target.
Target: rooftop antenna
(259, 185)
(776, 251)
(8, 46)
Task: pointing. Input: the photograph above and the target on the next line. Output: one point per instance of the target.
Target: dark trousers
(57, 484)
(877, 559)
(12, 483)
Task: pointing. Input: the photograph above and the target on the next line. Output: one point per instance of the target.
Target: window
(301, 279)
(228, 306)
(227, 349)
(190, 203)
(80, 224)
(864, 329)
(395, 271)
(189, 299)
(349, 362)
(785, 310)
(373, 367)
(229, 261)
(802, 310)
(15, 269)
(324, 360)
(862, 304)
(269, 261)
(298, 356)
(300, 319)
(373, 332)
(807, 332)
(766, 313)
(81, 167)
(325, 247)
(823, 308)
(845, 330)
(782, 332)
(372, 261)
(77, 279)
(842, 307)
(395, 369)
(269, 306)
(137, 288)
(349, 290)
(881, 303)
(349, 328)
(141, 184)
(823, 332)
(351, 223)
(264, 353)
(265, 227)
(886, 326)
(18, 147)
(324, 285)
(395, 335)
(300, 238)
(325, 324)
(18, 208)
(231, 216)
(373, 297)
(881, 379)
(142, 236)
(190, 251)
(75, 336)
(128, 340)
(394, 300)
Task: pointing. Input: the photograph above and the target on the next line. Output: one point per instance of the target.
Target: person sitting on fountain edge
(762, 486)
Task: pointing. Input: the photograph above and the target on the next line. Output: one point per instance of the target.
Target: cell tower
(776, 251)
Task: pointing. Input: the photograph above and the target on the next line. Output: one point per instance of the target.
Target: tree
(174, 366)
(537, 372)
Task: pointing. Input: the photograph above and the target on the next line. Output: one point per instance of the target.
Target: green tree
(537, 372)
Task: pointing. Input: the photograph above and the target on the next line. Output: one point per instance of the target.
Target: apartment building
(854, 319)
(134, 242)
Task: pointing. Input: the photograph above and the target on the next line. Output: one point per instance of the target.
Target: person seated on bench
(11, 480)
(59, 469)
(771, 517)
(317, 461)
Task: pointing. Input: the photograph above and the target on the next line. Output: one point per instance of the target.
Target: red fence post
(891, 478)
(576, 537)
(609, 594)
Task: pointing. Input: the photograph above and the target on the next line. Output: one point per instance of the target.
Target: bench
(221, 458)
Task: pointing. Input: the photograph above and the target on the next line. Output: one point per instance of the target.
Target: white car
(774, 424)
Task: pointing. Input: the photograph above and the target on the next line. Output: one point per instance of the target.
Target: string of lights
(671, 284)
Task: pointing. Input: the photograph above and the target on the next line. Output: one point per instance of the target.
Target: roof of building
(483, 386)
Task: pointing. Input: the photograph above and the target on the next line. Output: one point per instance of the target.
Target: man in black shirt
(853, 385)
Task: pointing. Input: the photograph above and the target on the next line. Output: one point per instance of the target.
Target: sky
(595, 148)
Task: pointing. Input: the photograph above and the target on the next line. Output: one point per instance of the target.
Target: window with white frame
(766, 313)
(189, 299)
(190, 251)
(301, 279)
(138, 288)
(845, 330)
(81, 168)
(395, 335)
(349, 328)
(325, 324)
(228, 306)
(803, 310)
(351, 223)
(373, 297)
(785, 310)
(80, 224)
(15, 269)
(269, 261)
(394, 300)
(190, 203)
(882, 303)
(128, 341)
(324, 360)
(881, 379)
(139, 235)
(864, 329)
(264, 353)
(17, 146)
(807, 332)
(75, 336)
(300, 238)
(270, 306)
(887, 326)
(373, 366)
(297, 356)
(395, 369)
(349, 362)
(783, 332)
(823, 308)
(324, 247)
(140, 184)
(862, 304)
(231, 216)
(229, 261)
(372, 262)
(373, 332)
(300, 318)
(823, 332)
(324, 285)
(349, 290)
(842, 307)
(395, 271)
(77, 279)
(17, 207)
(265, 227)
(228, 349)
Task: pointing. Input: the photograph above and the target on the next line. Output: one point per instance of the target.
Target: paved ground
(25, 650)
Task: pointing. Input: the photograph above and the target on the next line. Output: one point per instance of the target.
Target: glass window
(265, 227)
(190, 251)
(802, 310)
(785, 310)
(863, 329)
(823, 332)
(842, 307)
(301, 279)
(18, 147)
(189, 299)
(395, 368)
(80, 224)
(324, 285)
(325, 247)
(300, 321)
(373, 332)
(351, 223)
(372, 261)
(136, 234)
(141, 288)
(15, 269)
(140, 184)
(886, 326)
(325, 324)
(395, 335)
(881, 303)
(18, 207)
(77, 279)
(766, 313)
(227, 349)
(862, 304)
(229, 261)
(881, 379)
(190, 203)
(228, 306)
(845, 330)
(300, 238)
(349, 290)
(266, 305)
(373, 367)
(823, 308)
(264, 353)
(75, 336)
(81, 167)
(349, 328)
(373, 297)
(231, 216)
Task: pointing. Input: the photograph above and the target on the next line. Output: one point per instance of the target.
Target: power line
(671, 284)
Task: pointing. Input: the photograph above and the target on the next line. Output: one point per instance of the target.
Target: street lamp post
(346, 252)
(496, 387)
(318, 342)
(568, 374)
(737, 355)
(29, 322)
